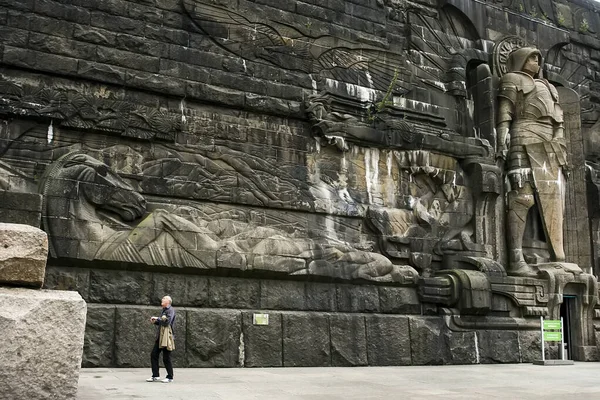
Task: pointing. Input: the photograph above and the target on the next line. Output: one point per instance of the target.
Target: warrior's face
(532, 65)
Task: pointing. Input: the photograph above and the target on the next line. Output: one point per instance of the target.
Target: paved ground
(520, 381)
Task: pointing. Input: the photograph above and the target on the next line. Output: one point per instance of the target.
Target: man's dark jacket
(169, 312)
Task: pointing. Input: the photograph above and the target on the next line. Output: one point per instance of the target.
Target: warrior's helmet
(517, 59)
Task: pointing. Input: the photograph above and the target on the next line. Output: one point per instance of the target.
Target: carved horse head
(76, 187)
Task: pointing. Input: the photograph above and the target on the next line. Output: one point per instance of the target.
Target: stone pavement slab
(497, 381)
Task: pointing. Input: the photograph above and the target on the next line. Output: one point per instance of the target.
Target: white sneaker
(167, 380)
(153, 379)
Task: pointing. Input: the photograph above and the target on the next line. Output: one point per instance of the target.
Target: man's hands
(154, 319)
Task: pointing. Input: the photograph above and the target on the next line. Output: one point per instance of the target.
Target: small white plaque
(260, 319)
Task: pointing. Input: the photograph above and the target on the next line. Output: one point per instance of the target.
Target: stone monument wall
(332, 164)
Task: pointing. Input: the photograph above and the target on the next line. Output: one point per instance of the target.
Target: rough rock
(321, 296)
(530, 344)
(213, 338)
(282, 295)
(233, 293)
(399, 300)
(23, 254)
(134, 336)
(388, 340)
(42, 343)
(186, 290)
(426, 341)
(99, 338)
(354, 298)
(498, 347)
(121, 287)
(306, 340)
(263, 345)
(68, 278)
(461, 347)
(348, 340)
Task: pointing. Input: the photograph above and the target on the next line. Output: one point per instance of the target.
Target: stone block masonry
(330, 163)
(120, 336)
(23, 254)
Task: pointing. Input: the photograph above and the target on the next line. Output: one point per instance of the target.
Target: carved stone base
(534, 270)
(559, 267)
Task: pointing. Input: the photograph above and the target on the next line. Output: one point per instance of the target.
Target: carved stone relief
(105, 218)
(88, 107)
(531, 141)
(427, 153)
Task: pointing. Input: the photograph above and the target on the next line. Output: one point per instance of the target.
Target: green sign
(552, 336)
(260, 319)
(552, 324)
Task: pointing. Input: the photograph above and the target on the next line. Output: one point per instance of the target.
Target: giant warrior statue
(532, 145)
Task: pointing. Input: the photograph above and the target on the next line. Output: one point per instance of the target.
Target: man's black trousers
(166, 359)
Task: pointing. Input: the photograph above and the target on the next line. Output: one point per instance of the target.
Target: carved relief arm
(505, 115)
(559, 132)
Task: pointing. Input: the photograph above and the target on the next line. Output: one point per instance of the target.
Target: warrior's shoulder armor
(514, 82)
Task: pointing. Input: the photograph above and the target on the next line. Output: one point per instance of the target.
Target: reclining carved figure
(87, 203)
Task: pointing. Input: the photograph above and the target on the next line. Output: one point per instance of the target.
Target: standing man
(531, 143)
(166, 319)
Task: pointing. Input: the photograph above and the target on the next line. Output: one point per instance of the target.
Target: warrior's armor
(536, 153)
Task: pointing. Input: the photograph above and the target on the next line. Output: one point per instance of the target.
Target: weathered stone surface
(99, 338)
(354, 298)
(306, 340)
(42, 343)
(234, 293)
(135, 336)
(498, 347)
(388, 340)
(586, 353)
(67, 278)
(399, 300)
(23, 254)
(426, 341)
(213, 338)
(321, 296)
(460, 347)
(530, 345)
(121, 287)
(186, 290)
(19, 207)
(348, 340)
(282, 295)
(263, 345)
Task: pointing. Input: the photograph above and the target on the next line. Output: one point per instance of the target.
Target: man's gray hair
(169, 299)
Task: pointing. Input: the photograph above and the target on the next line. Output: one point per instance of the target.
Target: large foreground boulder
(23, 254)
(41, 343)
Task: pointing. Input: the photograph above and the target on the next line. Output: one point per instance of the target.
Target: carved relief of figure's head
(95, 183)
(525, 59)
